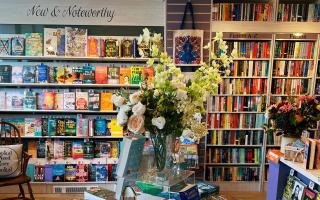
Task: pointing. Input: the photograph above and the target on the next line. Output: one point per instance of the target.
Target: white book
(69, 101)
(282, 67)
(250, 69)
(2, 100)
(312, 152)
(16, 76)
(50, 42)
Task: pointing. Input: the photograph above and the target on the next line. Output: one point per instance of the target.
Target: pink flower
(136, 124)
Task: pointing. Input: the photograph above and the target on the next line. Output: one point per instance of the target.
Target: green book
(34, 46)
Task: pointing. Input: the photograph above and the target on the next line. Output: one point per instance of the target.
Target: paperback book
(101, 74)
(17, 74)
(82, 100)
(112, 48)
(93, 46)
(69, 100)
(58, 149)
(88, 74)
(77, 149)
(50, 42)
(5, 46)
(70, 127)
(28, 73)
(136, 75)
(29, 101)
(82, 173)
(34, 45)
(113, 75)
(17, 46)
(61, 41)
(58, 172)
(5, 73)
(76, 42)
(124, 75)
(70, 172)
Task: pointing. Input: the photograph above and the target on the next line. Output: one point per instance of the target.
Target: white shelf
(72, 137)
(234, 145)
(313, 175)
(294, 59)
(235, 112)
(291, 77)
(69, 58)
(234, 164)
(59, 111)
(57, 85)
(244, 77)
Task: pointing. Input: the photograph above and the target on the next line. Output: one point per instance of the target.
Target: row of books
(71, 172)
(234, 155)
(242, 12)
(228, 137)
(299, 12)
(68, 41)
(250, 49)
(65, 126)
(237, 104)
(20, 99)
(43, 73)
(243, 86)
(273, 139)
(235, 120)
(249, 68)
(293, 68)
(292, 49)
(232, 173)
(312, 154)
(290, 86)
(297, 189)
(75, 149)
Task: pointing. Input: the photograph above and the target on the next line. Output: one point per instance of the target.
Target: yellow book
(115, 129)
(255, 155)
(229, 104)
(106, 103)
(296, 50)
(214, 139)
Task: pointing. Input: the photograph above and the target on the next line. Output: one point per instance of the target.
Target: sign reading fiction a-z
(83, 12)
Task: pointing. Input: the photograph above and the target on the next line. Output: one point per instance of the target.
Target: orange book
(106, 103)
(101, 74)
(32, 148)
(125, 75)
(93, 46)
(148, 73)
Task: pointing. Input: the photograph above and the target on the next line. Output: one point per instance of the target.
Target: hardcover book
(60, 74)
(100, 126)
(58, 149)
(69, 76)
(76, 42)
(33, 44)
(30, 171)
(106, 102)
(82, 100)
(28, 73)
(101, 74)
(93, 46)
(102, 52)
(70, 172)
(29, 101)
(70, 127)
(136, 75)
(52, 74)
(47, 100)
(50, 42)
(69, 100)
(44, 126)
(94, 100)
(102, 149)
(88, 150)
(126, 48)
(49, 149)
(125, 75)
(17, 46)
(17, 74)
(52, 126)
(5, 46)
(48, 173)
(29, 127)
(61, 41)
(148, 73)
(92, 172)
(112, 48)
(41, 149)
(67, 149)
(14, 100)
(88, 74)
(39, 173)
(77, 149)
(78, 74)
(5, 73)
(42, 71)
(59, 101)
(101, 172)
(32, 149)
(113, 75)
(19, 123)
(58, 172)
(60, 129)
(82, 126)
(112, 172)
(82, 173)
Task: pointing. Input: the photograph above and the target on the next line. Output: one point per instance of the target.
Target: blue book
(48, 173)
(42, 73)
(190, 193)
(30, 171)
(101, 172)
(28, 74)
(58, 172)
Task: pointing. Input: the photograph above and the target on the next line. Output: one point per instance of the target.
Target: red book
(310, 44)
(101, 74)
(148, 73)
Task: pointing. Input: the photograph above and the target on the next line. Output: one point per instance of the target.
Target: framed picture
(187, 47)
(298, 190)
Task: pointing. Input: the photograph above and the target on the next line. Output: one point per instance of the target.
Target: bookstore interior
(212, 99)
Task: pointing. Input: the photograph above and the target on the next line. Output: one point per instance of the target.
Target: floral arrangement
(146, 40)
(291, 119)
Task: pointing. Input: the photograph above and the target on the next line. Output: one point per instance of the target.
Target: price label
(311, 185)
(291, 172)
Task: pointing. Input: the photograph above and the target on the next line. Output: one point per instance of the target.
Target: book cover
(69, 75)
(29, 127)
(50, 41)
(41, 149)
(88, 149)
(67, 149)
(82, 100)
(5, 46)
(17, 46)
(114, 153)
(28, 74)
(58, 149)
(60, 127)
(37, 126)
(58, 172)
(101, 172)
(102, 52)
(48, 173)
(59, 101)
(60, 74)
(113, 75)
(189, 193)
(101, 74)
(70, 172)
(310, 194)
(94, 100)
(92, 172)
(112, 47)
(148, 73)
(32, 148)
(102, 149)
(42, 73)
(106, 102)
(30, 171)
(70, 127)
(93, 46)
(317, 155)
(100, 126)
(52, 126)
(49, 149)
(82, 173)
(307, 150)
(136, 75)
(88, 74)
(298, 190)
(34, 45)
(126, 48)
(125, 75)
(2, 100)
(14, 100)
(82, 126)
(69, 100)
(115, 129)
(76, 42)
(78, 74)
(61, 41)
(5, 73)
(44, 126)
(52, 74)
(39, 173)
(29, 101)
(17, 74)
(47, 100)
(77, 149)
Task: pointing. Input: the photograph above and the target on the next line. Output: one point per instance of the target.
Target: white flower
(157, 37)
(122, 118)
(136, 124)
(124, 108)
(181, 94)
(234, 53)
(156, 93)
(207, 46)
(150, 86)
(117, 100)
(146, 35)
(197, 116)
(178, 85)
(159, 122)
(187, 133)
(150, 62)
(154, 50)
(135, 97)
(139, 109)
(228, 72)
(141, 53)
(140, 39)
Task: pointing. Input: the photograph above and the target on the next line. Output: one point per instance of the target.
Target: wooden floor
(228, 196)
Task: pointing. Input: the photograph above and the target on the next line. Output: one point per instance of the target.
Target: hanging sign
(83, 12)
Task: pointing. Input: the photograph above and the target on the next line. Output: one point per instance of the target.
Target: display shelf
(57, 85)
(295, 59)
(291, 77)
(286, 95)
(234, 145)
(66, 183)
(235, 112)
(72, 137)
(244, 95)
(236, 59)
(247, 39)
(59, 111)
(236, 129)
(67, 58)
(244, 77)
(296, 39)
(75, 161)
(234, 164)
